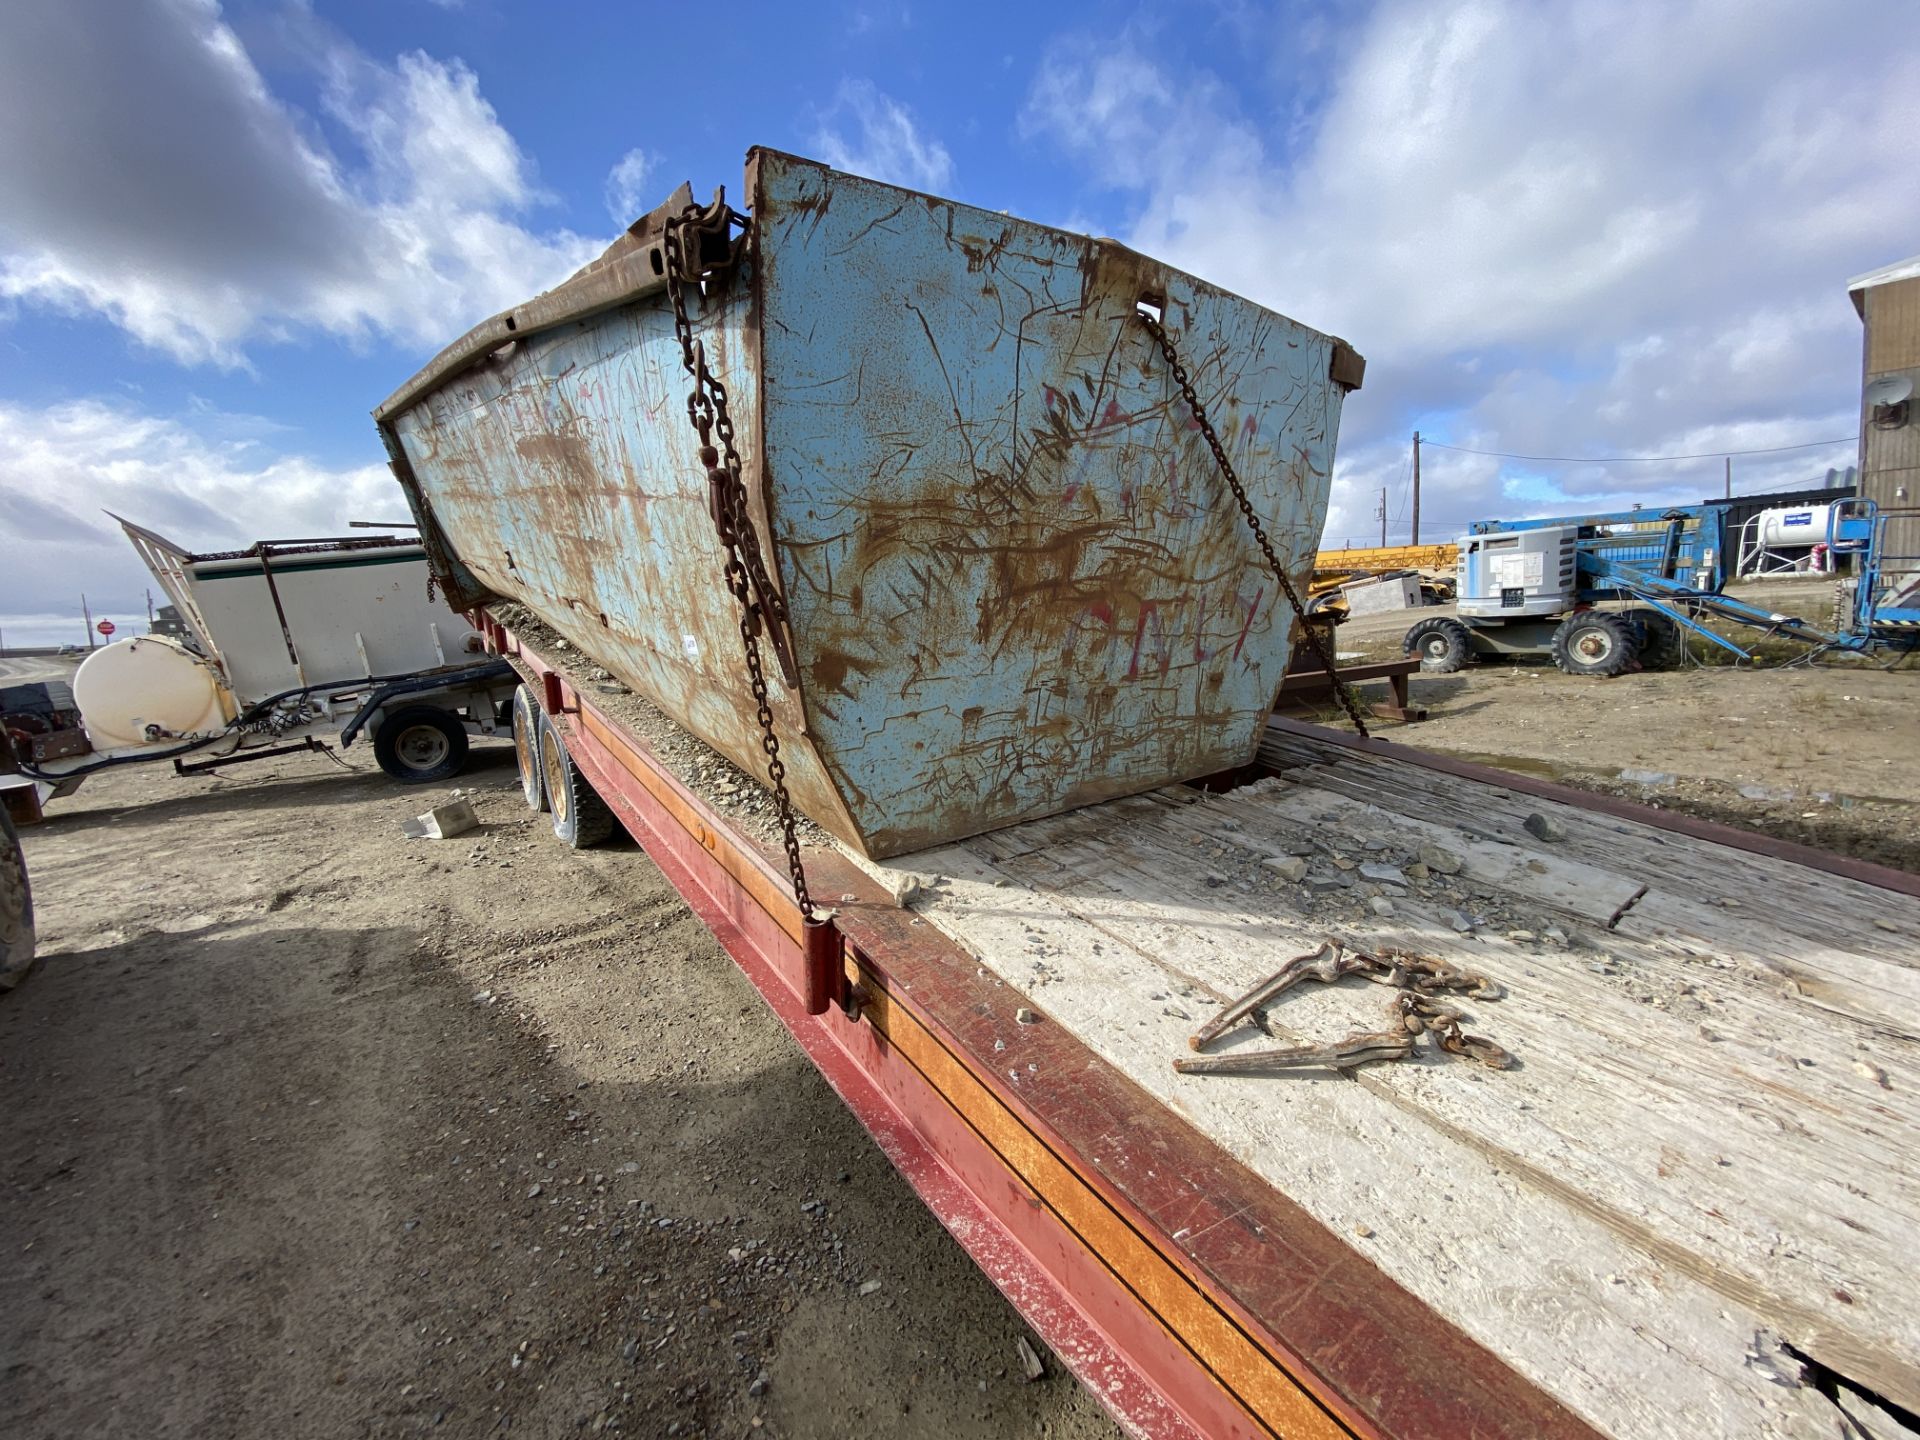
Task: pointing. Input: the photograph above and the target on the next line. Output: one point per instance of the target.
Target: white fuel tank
(1794, 525)
(149, 690)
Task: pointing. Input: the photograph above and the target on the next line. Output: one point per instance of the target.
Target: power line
(1636, 459)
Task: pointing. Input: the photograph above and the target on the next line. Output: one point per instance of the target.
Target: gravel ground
(315, 1130)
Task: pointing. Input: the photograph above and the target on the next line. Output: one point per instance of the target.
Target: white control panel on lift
(1518, 572)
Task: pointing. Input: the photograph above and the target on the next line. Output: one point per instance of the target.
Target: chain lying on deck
(1314, 640)
(1416, 980)
(763, 610)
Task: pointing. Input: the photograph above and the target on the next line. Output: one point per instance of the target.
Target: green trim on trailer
(289, 566)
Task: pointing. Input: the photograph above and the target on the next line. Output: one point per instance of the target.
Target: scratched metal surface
(564, 475)
(1018, 584)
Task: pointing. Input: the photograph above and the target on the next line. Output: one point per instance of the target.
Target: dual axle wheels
(550, 781)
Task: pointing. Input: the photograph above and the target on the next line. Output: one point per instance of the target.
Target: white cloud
(205, 482)
(153, 178)
(1584, 227)
(869, 133)
(626, 190)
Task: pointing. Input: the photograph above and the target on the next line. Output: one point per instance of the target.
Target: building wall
(1890, 459)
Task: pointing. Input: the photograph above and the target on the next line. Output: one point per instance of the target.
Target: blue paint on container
(1017, 582)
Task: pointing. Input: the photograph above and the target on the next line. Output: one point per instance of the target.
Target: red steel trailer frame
(1185, 1292)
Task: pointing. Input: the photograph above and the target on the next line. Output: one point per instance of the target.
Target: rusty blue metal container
(1017, 582)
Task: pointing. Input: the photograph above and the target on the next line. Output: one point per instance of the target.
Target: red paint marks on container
(1252, 610)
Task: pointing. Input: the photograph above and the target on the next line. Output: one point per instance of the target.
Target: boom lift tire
(1442, 643)
(419, 744)
(16, 908)
(1594, 642)
(1662, 643)
(525, 721)
(580, 817)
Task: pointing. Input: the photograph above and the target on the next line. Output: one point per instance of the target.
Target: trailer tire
(525, 721)
(580, 817)
(419, 744)
(1662, 643)
(1594, 642)
(1442, 643)
(16, 907)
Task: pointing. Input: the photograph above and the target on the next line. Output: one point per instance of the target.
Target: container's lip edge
(1336, 343)
(618, 275)
(611, 280)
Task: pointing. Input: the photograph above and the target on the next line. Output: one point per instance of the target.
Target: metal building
(1888, 300)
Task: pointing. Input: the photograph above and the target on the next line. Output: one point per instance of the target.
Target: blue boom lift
(1531, 587)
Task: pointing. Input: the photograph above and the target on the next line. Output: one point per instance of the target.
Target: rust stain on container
(1016, 581)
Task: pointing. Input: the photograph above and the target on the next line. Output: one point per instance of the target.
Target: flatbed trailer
(1657, 1223)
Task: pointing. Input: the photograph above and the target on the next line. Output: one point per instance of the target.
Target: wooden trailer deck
(1704, 1158)
(1687, 1207)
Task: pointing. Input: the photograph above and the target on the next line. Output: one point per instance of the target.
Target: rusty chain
(1417, 982)
(1318, 645)
(763, 609)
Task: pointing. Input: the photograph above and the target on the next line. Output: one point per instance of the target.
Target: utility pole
(1416, 487)
(1383, 517)
(86, 616)
(149, 608)
(1729, 477)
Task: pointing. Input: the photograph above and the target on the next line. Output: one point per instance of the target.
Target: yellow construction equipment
(1334, 569)
(1377, 560)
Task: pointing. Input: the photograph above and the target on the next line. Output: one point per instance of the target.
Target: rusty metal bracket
(709, 246)
(1347, 367)
(820, 952)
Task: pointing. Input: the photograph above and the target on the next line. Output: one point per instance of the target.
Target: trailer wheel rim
(523, 745)
(1437, 647)
(422, 747)
(553, 764)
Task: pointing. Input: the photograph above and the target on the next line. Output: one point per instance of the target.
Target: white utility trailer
(283, 643)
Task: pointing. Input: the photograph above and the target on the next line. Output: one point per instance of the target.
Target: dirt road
(313, 1130)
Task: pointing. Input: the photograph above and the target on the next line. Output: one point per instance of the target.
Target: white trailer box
(283, 615)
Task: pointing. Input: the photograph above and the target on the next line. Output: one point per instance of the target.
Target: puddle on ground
(1520, 764)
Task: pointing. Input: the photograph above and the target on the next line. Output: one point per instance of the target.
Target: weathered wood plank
(1706, 1139)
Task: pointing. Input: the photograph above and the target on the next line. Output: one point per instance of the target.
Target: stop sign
(105, 627)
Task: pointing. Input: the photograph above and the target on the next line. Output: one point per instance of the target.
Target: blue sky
(1573, 228)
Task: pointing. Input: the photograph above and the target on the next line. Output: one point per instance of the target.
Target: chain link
(1315, 642)
(762, 608)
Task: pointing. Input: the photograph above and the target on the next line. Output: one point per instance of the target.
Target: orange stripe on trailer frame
(768, 891)
(1276, 1401)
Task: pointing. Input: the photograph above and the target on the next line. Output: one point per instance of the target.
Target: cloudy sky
(1590, 228)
